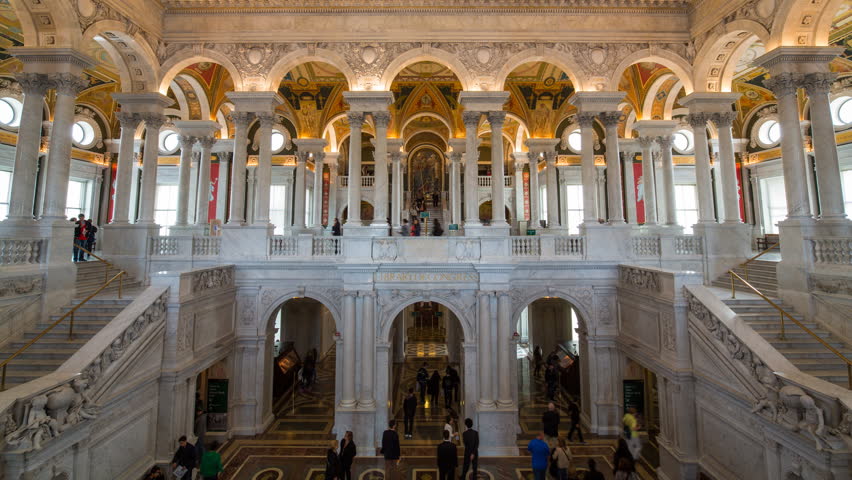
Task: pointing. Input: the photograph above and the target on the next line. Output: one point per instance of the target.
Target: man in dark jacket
(448, 384)
(550, 424)
(422, 381)
(551, 378)
(470, 438)
(447, 458)
(390, 450)
(409, 409)
(574, 411)
(184, 457)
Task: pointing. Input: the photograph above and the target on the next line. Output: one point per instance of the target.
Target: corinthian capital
(381, 119)
(646, 142)
(207, 142)
(549, 158)
(241, 119)
(128, 120)
(610, 119)
(67, 83)
(356, 119)
(33, 83)
(586, 119)
(818, 83)
(471, 119)
(697, 120)
(154, 121)
(783, 84)
(267, 120)
(496, 119)
(724, 119)
(665, 141)
(186, 141)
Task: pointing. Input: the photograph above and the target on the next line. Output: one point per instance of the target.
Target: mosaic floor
(294, 446)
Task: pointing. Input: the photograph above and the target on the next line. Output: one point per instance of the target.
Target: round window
(169, 141)
(277, 141)
(841, 111)
(10, 112)
(575, 141)
(769, 133)
(683, 141)
(83, 134)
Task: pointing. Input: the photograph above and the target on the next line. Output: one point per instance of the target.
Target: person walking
(447, 458)
(434, 387)
(335, 229)
(538, 360)
(631, 433)
(80, 236)
(574, 412)
(437, 231)
(448, 384)
(550, 425)
(403, 229)
(184, 459)
(470, 439)
(454, 374)
(593, 473)
(561, 455)
(551, 378)
(390, 451)
(409, 409)
(422, 381)
(347, 456)
(539, 451)
(622, 452)
(91, 230)
(211, 463)
(332, 462)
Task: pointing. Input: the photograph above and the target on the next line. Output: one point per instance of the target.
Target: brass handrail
(107, 265)
(783, 314)
(5, 363)
(745, 264)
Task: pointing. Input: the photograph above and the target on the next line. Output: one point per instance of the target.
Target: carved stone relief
(639, 278)
(185, 330)
(15, 286)
(212, 279)
(385, 250)
(668, 331)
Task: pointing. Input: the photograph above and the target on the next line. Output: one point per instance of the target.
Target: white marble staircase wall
(756, 415)
(21, 304)
(101, 404)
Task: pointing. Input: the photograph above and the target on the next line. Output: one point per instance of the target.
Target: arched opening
(367, 213)
(426, 336)
(485, 213)
(640, 397)
(552, 365)
(301, 336)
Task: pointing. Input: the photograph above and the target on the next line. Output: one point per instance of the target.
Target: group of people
(339, 458)
(550, 452)
(414, 229)
(84, 237)
(421, 201)
(551, 369)
(446, 454)
(450, 383)
(186, 459)
(308, 373)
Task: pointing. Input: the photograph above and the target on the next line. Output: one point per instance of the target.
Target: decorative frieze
(212, 279)
(17, 286)
(639, 278)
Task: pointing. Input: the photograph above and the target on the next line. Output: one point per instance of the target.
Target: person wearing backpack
(560, 460)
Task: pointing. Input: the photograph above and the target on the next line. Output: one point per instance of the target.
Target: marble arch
(426, 55)
(466, 313)
(549, 55)
(271, 300)
(298, 57)
(366, 197)
(132, 55)
(706, 59)
(425, 114)
(581, 299)
(802, 23)
(185, 58)
(650, 97)
(28, 25)
(61, 30)
(677, 64)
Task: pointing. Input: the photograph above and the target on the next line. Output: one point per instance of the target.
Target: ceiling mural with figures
(426, 87)
(538, 95)
(313, 93)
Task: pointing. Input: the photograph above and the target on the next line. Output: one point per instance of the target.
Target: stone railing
(40, 411)
(571, 246)
(366, 181)
(164, 246)
(206, 246)
(283, 246)
(832, 250)
(485, 181)
(525, 246)
(22, 251)
(688, 245)
(327, 247)
(646, 246)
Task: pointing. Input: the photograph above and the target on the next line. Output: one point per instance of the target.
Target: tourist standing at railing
(437, 231)
(415, 228)
(80, 237)
(91, 230)
(335, 229)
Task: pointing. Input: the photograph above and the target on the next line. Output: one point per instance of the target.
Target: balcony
(485, 181)
(366, 181)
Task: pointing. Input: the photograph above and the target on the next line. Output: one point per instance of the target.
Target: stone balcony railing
(485, 181)
(185, 247)
(832, 250)
(22, 251)
(366, 181)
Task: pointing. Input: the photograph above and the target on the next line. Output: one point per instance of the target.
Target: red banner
(526, 177)
(326, 183)
(110, 206)
(740, 191)
(638, 191)
(213, 198)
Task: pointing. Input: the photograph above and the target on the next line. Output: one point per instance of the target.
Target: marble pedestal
(726, 245)
(127, 245)
(498, 432)
(245, 242)
(362, 424)
(487, 231)
(607, 242)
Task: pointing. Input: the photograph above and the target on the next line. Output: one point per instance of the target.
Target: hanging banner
(213, 198)
(740, 190)
(113, 166)
(639, 191)
(326, 188)
(526, 177)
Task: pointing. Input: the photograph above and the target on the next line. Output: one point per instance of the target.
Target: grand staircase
(55, 347)
(799, 347)
(435, 212)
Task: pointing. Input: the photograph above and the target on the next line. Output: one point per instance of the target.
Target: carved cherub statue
(38, 427)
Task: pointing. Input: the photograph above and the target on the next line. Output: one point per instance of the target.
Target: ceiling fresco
(539, 93)
(313, 93)
(426, 87)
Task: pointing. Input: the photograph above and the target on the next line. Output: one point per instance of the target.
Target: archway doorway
(301, 348)
(639, 392)
(366, 213)
(429, 336)
(551, 364)
(485, 212)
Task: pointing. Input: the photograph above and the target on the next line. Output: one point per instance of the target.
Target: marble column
(552, 190)
(728, 166)
(22, 195)
(67, 86)
(299, 194)
(504, 353)
(818, 86)
(288, 192)
(124, 169)
(319, 157)
(665, 143)
(380, 187)
(251, 181)
(563, 199)
(486, 398)
(785, 86)
(535, 198)
(396, 180)
(202, 199)
(703, 179)
(368, 350)
(649, 192)
(471, 169)
(455, 187)
(356, 121)
(222, 195)
(588, 172)
(347, 398)
(629, 187)
(615, 200)
(241, 121)
(519, 187)
(186, 144)
(498, 188)
(150, 161)
(600, 192)
(263, 184)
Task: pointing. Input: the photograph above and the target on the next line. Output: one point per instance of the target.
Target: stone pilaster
(241, 122)
(615, 200)
(380, 187)
(356, 121)
(153, 123)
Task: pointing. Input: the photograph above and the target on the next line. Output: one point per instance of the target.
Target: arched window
(278, 141)
(83, 133)
(769, 133)
(683, 141)
(575, 141)
(169, 141)
(841, 111)
(10, 112)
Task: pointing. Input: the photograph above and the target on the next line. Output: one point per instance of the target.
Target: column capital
(128, 120)
(549, 158)
(302, 156)
(665, 141)
(242, 119)
(207, 142)
(586, 119)
(818, 83)
(381, 119)
(698, 120)
(319, 157)
(186, 141)
(355, 119)
(367, 293)
(471, 119)
(266, 119)
(610, 119)
(154, 121)
(455, 157)
(646, 142)
(519, 167)
(67, 83)
(783, 84)
(496, 119)
(33, 83)
(724, 120)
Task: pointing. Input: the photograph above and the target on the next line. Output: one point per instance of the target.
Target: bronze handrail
(745, 264)
(783, 314)
(5, 363)
(107, 265)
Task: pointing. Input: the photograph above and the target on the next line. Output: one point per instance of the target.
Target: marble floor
(293, 448)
